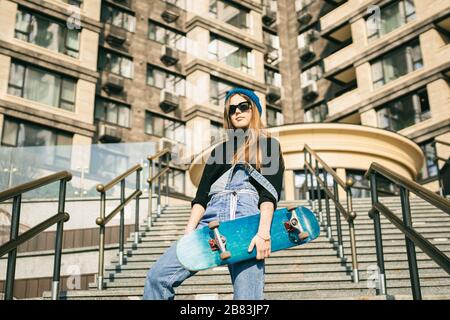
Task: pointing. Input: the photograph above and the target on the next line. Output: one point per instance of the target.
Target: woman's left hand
(263, 247)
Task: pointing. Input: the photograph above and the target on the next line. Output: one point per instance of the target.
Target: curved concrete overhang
(341, 146)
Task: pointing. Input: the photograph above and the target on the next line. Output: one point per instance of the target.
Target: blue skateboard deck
(195, 250)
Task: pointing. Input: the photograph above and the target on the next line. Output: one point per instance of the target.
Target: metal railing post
(12, 256)
(311, 189)
(150, 195)
(319, 196)
(167, 180)
(327, 208)
(158, 214)
(410, 247)
(122, 224)
(305, 188)
(136, 221)
(351, 225)
(338, 220)
(381, 286)
(59, 241)
(101, 252)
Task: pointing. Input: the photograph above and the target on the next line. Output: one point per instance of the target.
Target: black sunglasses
(243, 106)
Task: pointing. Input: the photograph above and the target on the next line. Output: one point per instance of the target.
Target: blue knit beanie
(249, 93)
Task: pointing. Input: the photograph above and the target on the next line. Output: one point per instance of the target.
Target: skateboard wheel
(213, 225)
(225, 255)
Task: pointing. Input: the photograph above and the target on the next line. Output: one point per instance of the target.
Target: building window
(163, 35)
(272, 77)
(47, 33)
(429, 169)
(112, 112)
(397, 63)
(393, 16)
(166, 80)
(274, 117)
(405, 111)
(224, 51)
(118, 17)
(317, 113)
(361, 186)
(218, 90)
(116, 63)
(229, 13)
(163, 127)
(42, 86)
(312, 74)
(18, 133)
(179, 3)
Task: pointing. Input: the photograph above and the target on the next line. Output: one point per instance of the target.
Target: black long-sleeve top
(272, 168)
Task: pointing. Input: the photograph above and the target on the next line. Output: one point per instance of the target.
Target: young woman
(245, 181)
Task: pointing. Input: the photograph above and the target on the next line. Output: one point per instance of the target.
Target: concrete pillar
(343, 175)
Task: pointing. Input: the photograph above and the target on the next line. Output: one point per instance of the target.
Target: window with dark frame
(112, 112)
(20, 133)
(47, 32)
(116, 63)
(165, 127)
(430, 168)
(229, 13)
(393, 16)
(163, 79)
(43, 86)
(118, 17)
(404, 111)
(162, 34)
(396, 63)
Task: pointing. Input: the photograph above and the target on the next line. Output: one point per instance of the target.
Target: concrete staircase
(312, 271)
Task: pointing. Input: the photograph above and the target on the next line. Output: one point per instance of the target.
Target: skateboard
(227, 242)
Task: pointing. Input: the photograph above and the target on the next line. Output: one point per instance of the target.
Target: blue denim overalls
(233, 196)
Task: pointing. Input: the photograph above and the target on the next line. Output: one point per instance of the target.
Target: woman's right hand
(188, 230)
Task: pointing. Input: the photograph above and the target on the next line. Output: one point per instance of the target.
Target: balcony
(169, 101)
(341, 58)
(169, 56)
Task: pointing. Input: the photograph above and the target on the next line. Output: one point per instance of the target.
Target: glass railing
(89, 165)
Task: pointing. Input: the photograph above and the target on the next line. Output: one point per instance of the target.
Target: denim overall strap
(257, 176)
(224, 181)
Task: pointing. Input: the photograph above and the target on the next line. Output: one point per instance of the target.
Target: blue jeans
(247, 277)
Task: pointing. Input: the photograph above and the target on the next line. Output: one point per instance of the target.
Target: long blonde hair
(256, 130)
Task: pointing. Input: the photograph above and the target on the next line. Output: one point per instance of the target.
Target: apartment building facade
(81, 72)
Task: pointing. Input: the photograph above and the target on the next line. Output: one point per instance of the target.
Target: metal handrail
(348, 214)
(412, 186)
(103, 220)
(436, 161)
(165, 153)
(412, 238)
(16, 240)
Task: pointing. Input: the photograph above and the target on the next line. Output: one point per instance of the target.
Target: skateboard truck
(219, 242)
(293, 225)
